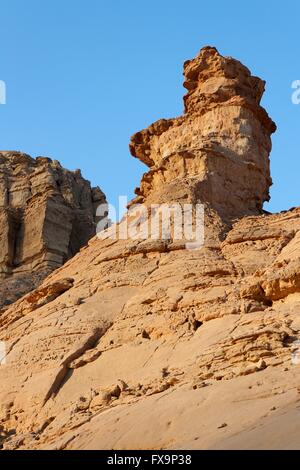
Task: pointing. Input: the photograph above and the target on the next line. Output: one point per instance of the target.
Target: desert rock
(218, 151)
(47, 214)
(171, 348)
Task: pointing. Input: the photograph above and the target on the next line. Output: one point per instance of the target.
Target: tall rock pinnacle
(147, 343)
(217, 153)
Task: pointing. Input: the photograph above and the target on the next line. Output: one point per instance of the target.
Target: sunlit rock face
(217, 153)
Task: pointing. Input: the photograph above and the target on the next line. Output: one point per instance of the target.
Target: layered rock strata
(143, 344)
(47, 214)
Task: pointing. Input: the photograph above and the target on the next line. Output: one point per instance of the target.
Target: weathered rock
(166, 343)
(217, 153)
(46, 215)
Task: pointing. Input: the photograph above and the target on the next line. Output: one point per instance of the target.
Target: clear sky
(83, 75)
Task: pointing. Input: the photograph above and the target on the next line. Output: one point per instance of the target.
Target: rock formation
(138, 344)
(46, 215)
(218, 151)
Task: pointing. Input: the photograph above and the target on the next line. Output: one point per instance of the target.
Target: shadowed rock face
(47, 214)
(143, 344)
(217, 153)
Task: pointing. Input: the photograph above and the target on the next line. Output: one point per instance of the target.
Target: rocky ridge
(218, 151)
(143, 344)
(47, 214)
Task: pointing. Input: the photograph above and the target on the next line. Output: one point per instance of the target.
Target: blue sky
(83, 75)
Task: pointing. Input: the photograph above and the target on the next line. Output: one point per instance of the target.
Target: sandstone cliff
(46, 215)
(147, 345)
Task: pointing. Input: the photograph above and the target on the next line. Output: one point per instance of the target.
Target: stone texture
(218, 151)
(147, 345)
(47, 214)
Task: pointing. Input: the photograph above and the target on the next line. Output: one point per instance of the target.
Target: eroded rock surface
(217, 153)
(147, 345)
(47, 214)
